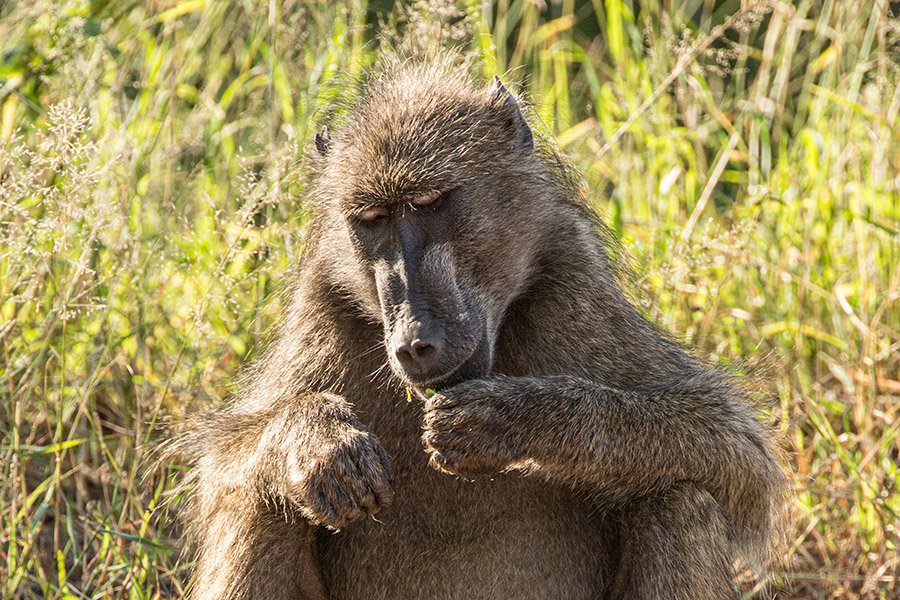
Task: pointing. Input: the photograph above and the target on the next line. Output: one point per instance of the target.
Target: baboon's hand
(341, 476)
(477, 427)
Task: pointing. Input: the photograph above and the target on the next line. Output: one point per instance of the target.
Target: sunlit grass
(151, 202)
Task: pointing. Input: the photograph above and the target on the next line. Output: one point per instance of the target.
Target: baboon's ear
(323, 142)
(510, 107)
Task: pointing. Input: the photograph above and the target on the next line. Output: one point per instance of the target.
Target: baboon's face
(434, 215)
(436, 322)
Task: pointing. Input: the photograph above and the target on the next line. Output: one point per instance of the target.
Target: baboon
(556, 445)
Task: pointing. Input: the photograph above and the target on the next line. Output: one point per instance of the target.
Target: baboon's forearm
(250, 450)
(625, 444)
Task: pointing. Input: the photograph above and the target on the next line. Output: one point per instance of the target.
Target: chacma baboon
(571, 451)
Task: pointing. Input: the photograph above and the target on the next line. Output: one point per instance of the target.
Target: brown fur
(597, 459)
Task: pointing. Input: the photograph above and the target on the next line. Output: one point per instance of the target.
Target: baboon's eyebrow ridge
(357, 203)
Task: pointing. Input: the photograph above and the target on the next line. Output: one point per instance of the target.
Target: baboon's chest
(445, 539)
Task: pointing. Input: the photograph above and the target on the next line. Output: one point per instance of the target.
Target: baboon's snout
(417, 327)
(431, 325)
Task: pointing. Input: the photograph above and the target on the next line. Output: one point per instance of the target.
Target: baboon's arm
(284, 455)
(619, 444)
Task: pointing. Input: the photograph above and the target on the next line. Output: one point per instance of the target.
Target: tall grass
(151, 202)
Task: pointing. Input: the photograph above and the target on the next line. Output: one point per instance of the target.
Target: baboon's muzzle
(434, 332)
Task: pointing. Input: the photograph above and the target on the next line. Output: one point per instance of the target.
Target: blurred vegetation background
(151, 202)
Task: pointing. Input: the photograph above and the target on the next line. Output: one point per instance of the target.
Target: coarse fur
(571, 451)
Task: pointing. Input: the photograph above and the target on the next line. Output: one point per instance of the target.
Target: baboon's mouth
(448, 380)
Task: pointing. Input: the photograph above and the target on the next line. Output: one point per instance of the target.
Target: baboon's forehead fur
(417, 129)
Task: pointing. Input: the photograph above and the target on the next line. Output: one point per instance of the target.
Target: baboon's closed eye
(371, 214)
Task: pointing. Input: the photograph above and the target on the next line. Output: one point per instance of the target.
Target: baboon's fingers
(385, 463)
(375, 472)
(368, 502)
(447, 432)
(454, 453)
(431, 439)
(440, 401)
(443, 462)
(445, 439)
(456, 463)
(449, 418)
(384, 492)
(378, 487)
(356, 478)
(345, 483)
(320, 512)
(342, 503)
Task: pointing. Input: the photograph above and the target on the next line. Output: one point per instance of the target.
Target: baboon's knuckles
(345, 482)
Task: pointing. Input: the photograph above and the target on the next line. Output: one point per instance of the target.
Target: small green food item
(428, 393)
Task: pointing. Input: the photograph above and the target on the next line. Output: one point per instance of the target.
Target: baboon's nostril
(403, 352)
(421, 349)
(420, 354)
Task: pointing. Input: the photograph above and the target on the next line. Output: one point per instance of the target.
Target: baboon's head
(427, 182)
